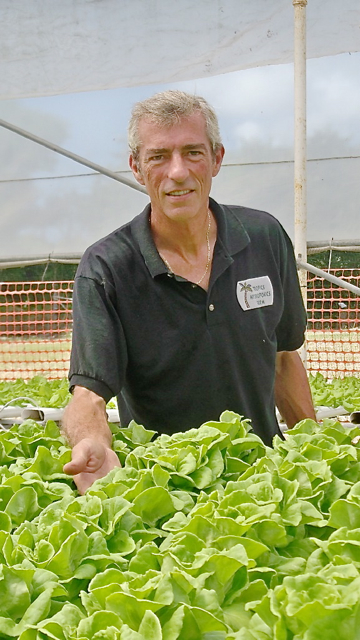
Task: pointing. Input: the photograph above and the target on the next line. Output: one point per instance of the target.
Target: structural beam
(73, 156)
(300, 204)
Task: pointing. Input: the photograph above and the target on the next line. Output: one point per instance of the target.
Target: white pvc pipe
(113, 415)
(300, 205)
(300, 212)
(329, 412)
(42, 414)
(328, 276)
(10, 412)
(73, 156)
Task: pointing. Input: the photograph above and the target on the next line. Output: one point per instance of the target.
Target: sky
(47, 207)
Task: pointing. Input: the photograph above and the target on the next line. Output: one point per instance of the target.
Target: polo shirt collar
(231, 234)
(142, 233)
(231, 231)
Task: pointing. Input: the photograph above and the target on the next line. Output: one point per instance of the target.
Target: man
(190, 309)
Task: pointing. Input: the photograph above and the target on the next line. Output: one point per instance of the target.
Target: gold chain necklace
(208, 261)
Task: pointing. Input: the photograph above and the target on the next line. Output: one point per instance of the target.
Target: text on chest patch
(255, 293)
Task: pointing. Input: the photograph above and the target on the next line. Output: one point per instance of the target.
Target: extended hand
(90, 460)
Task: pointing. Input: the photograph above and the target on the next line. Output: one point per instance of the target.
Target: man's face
(176, 164)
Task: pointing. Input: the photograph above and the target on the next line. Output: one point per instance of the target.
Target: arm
(86, 428)
(292, 390)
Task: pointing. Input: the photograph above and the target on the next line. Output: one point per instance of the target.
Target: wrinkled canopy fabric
(49, 48)
(53, 48)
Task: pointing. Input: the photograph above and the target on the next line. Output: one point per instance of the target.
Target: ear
(218, 158)
(135, 168)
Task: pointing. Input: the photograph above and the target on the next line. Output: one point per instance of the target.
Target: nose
(177, 169)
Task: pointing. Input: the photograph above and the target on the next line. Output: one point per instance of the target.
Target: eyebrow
(186, 147)
(150, 152)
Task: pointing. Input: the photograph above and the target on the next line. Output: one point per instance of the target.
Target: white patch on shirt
(255, 293)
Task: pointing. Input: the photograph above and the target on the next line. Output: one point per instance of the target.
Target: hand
(91, 460)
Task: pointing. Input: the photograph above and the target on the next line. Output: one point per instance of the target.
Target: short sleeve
(98, 355)
(291, 329)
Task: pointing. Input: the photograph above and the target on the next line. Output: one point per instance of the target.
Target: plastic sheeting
(67, 214)
(49, 48)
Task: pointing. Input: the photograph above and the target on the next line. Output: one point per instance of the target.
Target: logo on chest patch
(255, 293)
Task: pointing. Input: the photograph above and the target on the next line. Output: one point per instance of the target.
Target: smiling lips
(183, 192)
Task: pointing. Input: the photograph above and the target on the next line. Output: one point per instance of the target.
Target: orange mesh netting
(333, 337)
(36, 323)
(35, 329)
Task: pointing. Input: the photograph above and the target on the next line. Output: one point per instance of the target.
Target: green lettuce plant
(203, 535)
(336, 392)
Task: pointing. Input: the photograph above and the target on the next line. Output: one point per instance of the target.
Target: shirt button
(211, 307)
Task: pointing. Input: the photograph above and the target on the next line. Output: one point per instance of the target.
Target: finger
(71, 468)
(76, 465)
(83, 481)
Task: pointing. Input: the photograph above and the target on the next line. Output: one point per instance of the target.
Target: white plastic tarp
(67, 214)
(50, 47)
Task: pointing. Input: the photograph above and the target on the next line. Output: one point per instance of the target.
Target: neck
(187, 249)
(183, 237)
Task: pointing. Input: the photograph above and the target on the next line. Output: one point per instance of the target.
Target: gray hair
(166, 109)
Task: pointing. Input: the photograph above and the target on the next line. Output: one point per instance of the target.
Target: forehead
(190, 130)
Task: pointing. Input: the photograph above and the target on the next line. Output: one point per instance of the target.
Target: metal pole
(328, 276)
(300, 233)
(300, 135)
(73, 156)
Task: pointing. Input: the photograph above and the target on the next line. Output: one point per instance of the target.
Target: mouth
(179, 192)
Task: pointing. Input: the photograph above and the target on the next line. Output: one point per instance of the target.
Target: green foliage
(338, 392)
(58, 271)
(51, 271)
(203, 535)
(43, 392)
(337, 260)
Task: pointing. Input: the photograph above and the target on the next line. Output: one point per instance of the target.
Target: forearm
(292, 389)
(85, 417)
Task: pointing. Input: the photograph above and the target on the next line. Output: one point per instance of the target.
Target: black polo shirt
(175, 355)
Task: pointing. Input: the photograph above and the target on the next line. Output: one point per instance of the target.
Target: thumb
(80, 458)
(77, 464)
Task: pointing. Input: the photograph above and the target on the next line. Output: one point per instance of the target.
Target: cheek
(152, 180)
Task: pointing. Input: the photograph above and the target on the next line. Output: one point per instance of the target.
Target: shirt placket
(222, 262)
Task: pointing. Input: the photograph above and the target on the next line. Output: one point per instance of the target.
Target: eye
(194, 152)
